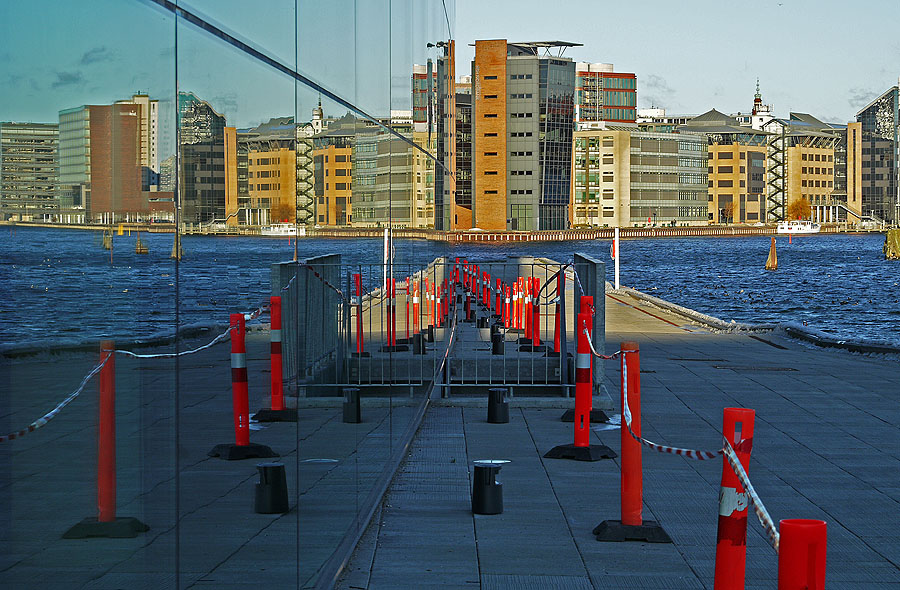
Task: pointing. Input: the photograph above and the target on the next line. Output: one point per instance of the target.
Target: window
(340, 172)
(341, 186)
(803, 157)
(803, 170)
(490, 153)
(725, 183)
(490, 135)
(340, 158)
(490, 192)
(725, 155)
(743, 169)
(490, 96)
(490, 115)
(490, 77)
(743, 155)
(490, 173)
(726, 169)
(607, 142)
(818, 157)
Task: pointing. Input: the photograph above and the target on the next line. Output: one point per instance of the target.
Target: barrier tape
(223, 336)
(761, 513)
(727, 450)
(52, 413)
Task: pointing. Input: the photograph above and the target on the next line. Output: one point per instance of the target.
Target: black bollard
(352, 413)
(271, 491)
(418, 344)
(429, 333)
(497, 344)
(498, 406)
(487, 492)
(482, 322)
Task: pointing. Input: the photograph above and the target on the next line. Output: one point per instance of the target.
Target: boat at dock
(282, 230)
(798, 226)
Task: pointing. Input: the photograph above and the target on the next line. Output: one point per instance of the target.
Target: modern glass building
(138, 464)
(880, 163)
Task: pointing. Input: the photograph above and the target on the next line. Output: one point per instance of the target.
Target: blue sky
(821, 57)
(824, 57)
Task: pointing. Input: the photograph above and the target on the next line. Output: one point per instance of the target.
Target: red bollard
(801, 554)
(631, 526)
(275, 352)
(583, 365)
(106, 448)
(514, 320)
(407, 309)
(582, 450)
(526, 312)
(106, 523)
(498, 305)
(560, 293)
(506, 306)
(277, 412)
(632, 476)
(360, 337)
(536, 308)
(239, 389)
(242, 448)
(393, 302)
(731, 539)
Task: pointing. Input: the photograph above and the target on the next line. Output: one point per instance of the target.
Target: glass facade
(135, 446)
(556, 116)
(880, 163)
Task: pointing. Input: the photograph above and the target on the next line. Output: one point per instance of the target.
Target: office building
(202, 147)
(801, 163)
(383, 175)
(522, 124)
(602, 94)
(446, 141)
(736, 167)
(100, 163)
(880, 159)
(29, 171)
(333, 172)
(624, 177)
(463, 163)
(149, 138)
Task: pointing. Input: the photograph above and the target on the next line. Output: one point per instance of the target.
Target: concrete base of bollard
(613, 530)
(233, 452)
(121, 528)
(267, 415)
(597, 416)
(588, 453)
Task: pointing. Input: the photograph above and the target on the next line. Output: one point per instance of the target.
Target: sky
(828, 58)
(822, 57)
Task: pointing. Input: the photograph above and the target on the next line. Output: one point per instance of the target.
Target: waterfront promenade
(826, 445)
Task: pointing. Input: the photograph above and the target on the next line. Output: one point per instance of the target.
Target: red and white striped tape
(761, 513)
(52, 413)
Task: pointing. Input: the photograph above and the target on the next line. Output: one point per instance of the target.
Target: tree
(282, 212)
(799, 209)
(728, 212)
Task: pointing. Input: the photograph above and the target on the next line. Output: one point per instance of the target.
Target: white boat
(798, 226)
(281, 230)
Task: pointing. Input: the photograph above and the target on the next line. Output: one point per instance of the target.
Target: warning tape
(761, 513)
(52, 413)
(727, 450)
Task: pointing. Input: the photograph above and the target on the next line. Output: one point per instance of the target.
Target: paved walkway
(826, 446)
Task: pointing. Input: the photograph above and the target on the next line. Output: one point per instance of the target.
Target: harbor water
(59, 288)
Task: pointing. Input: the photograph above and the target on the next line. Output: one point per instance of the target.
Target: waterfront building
(383, 174)
(464, 85)
(333, 172)
(801, 163)
(149, 138)
(271, 158)
(29, 171)
(880, 156)
(522, 124)
(625, 177)
(462, 215)
(446, 141)
(602, 94)
(202, 162)
(100, 163)
(656, 119)
(736, 167)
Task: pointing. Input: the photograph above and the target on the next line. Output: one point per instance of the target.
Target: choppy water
(58, 287)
